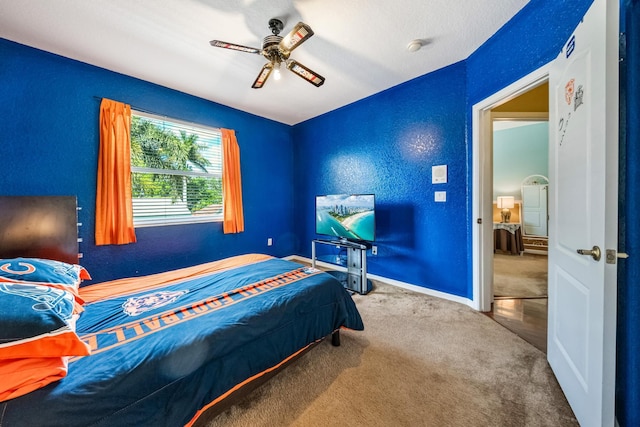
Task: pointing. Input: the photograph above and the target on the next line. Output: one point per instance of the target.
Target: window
(176, 171)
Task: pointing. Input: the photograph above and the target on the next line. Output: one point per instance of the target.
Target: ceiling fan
(277, 50)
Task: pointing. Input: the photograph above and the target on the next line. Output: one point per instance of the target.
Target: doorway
(522, 101)
(520, 157)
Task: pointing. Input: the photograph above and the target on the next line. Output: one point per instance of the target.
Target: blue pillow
(38, 270)
(37, 321)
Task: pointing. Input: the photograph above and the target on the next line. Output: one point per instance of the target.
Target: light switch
(440, 196)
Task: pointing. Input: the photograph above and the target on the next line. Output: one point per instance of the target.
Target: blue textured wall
(530, 40)
(49, 145)
(386, 144)
(628, 376)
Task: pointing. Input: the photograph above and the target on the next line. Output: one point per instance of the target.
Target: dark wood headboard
(39, 227)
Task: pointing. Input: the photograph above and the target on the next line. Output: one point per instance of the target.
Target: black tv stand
(355, 278)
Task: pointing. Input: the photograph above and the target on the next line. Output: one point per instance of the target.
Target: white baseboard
(536, 252)
(392, 282)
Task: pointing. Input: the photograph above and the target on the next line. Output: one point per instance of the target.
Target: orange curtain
(231, 184)
(114, 210)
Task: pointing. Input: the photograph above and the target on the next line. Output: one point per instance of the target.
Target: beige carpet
(522, 276)
(421, 361)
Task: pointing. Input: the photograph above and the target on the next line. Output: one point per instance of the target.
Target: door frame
(482, 194)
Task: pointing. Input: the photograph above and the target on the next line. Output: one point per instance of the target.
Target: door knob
(594, 252)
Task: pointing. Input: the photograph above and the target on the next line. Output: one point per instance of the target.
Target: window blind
(176, 171)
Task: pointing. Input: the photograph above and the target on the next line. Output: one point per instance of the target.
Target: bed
(173, 348)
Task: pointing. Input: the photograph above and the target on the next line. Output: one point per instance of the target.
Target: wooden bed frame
(39, 227)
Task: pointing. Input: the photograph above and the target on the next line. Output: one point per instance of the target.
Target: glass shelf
(349, 255)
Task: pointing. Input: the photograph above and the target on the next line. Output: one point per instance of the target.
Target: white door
(583, 195)
(534, 209)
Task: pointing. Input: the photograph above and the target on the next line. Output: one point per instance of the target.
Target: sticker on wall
(578, 99)
(571, 46)
(562, 127)
(568, 91)
(439, 174)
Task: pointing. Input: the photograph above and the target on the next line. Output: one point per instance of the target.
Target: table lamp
(505, 203)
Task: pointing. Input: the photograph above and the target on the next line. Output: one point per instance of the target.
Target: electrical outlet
(269, 241)
(374, 250)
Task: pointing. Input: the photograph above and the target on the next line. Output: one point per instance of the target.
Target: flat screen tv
(346, 216)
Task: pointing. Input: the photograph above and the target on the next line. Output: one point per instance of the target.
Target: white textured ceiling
(359, 46)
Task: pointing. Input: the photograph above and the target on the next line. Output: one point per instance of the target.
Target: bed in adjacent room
(155, 350)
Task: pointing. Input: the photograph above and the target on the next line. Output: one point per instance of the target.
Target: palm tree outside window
(176, 171)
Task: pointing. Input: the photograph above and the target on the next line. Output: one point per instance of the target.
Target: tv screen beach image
(346, 216)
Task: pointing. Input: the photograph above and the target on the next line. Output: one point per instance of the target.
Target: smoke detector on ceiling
(415, 45)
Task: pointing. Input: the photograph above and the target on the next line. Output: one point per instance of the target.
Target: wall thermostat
(439, 174)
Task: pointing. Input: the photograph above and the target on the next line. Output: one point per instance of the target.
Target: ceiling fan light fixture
(414, 45)
(276, 71)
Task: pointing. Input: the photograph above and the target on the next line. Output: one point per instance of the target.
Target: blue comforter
(161, 354)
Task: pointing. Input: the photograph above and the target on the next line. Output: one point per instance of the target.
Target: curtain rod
(142, 110)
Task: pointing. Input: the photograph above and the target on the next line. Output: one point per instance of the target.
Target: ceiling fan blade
(263, 76)
(239, 47)
(306, 73)
(300, 33)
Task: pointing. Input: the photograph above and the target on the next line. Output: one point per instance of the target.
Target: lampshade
(506, 202)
